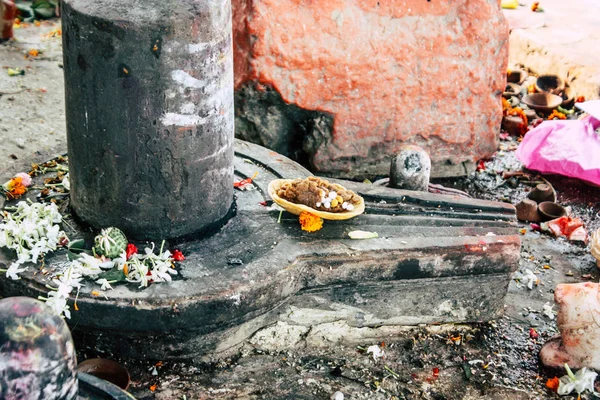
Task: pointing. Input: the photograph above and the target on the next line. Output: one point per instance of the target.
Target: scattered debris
(548, 311)
(377, 351)
(595, 246)
(337, 396)
(571, 228)
(362, 235)
(15, 71)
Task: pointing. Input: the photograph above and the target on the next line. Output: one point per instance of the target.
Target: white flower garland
(33, 231)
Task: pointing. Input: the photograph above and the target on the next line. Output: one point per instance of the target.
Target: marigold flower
(557, 115)
(34, 52)
(535, 6)
(580, 99)
(506, 107)
(310, 222)
(518, 112)
(17, 186)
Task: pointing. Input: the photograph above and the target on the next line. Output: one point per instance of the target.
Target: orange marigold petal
(552, 384)
(310, 222)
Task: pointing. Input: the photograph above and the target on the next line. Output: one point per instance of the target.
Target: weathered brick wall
(342, 84)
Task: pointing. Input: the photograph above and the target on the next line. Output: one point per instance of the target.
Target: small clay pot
(542, 193)
(512, 89)
(527, 210)
(549, 84)
(530, 114)
(544, 102)
(517, 76)
(108, 370)
(513, 125)
(568, 96)
(550, 210)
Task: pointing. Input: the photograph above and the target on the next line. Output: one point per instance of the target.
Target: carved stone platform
(438, 259)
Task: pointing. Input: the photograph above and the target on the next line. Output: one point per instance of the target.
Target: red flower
(533, 333)
(131, 250)
(178, 255)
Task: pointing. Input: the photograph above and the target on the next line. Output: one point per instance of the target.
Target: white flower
(104, 284)
(138, 272)
(66, 183)
(67, 281)
(87, 265)
(548, 310)
(337, 396)
(31, 230)
(57, 302)
(52, 235)
(13, 271)
(377, 352)
(527, 278)
(580, 382)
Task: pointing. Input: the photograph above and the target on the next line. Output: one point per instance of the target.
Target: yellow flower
(310, 222)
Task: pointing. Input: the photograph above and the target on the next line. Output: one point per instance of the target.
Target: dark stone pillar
(149, 106)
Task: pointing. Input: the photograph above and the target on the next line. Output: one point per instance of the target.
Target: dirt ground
(496, 360)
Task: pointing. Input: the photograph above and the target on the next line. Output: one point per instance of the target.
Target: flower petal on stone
(363, 235)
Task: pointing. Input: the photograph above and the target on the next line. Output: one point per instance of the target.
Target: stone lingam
(151, 151)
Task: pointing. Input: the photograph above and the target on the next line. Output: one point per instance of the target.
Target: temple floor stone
(438, 259)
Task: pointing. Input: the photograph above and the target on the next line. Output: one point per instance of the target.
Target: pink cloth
(570, 148)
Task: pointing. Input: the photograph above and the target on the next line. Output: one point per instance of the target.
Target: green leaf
(113, 275)
(25, 12)
(362, 235)
(77, 245)
(45, 13)
(41, 4)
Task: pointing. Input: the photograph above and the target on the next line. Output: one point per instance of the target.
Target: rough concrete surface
(387, 72)
(562, 40)
(32, 116)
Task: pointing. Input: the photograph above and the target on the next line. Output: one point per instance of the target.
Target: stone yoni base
(438, 259)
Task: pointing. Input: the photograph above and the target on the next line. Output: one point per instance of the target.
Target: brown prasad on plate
(319, 194)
